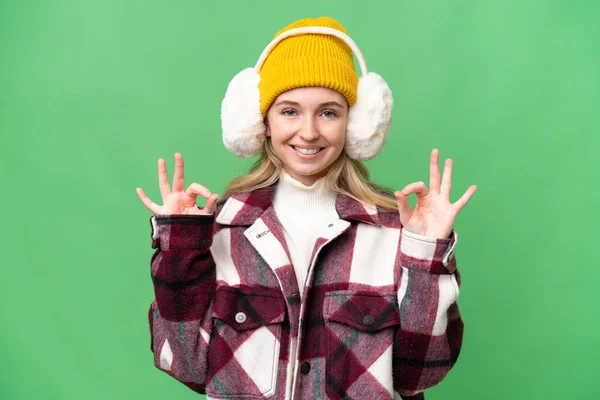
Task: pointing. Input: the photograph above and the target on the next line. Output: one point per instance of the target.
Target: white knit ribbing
(303, 212)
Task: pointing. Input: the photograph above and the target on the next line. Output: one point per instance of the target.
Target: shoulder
(244, 208)
(220, 204)
(389, 218)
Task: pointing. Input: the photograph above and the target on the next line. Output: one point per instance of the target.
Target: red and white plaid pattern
(377, 319)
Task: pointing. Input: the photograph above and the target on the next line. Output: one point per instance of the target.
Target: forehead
(310, 95)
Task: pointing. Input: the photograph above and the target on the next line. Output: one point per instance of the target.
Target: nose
(309, 130)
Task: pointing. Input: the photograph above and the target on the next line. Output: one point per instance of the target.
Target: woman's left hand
(433, 215)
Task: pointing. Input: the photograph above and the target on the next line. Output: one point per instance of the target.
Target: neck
(306, 200)
(307, 180)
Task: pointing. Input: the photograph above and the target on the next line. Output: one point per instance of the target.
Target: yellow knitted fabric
(308, 60)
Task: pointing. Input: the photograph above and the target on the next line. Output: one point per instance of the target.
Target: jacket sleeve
(428, 341)
(183, 275)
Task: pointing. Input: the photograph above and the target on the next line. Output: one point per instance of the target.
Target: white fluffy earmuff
(369, 119)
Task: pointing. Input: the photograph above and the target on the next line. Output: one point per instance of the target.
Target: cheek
(281, 132)
(337, 135)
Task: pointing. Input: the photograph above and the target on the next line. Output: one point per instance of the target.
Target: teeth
(306, 151)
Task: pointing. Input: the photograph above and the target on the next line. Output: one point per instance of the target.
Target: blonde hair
(345, 176)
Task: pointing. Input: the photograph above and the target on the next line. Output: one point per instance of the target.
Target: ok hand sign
(177, 201)
(433, 215)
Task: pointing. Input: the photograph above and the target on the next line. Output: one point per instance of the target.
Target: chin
(310, 173)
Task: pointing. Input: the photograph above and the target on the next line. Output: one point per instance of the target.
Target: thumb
(211, 203)
(403, 207)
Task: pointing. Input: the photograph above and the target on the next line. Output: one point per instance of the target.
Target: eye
(289, 112)
(329, 113)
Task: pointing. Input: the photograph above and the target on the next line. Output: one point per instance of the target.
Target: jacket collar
(245, 209)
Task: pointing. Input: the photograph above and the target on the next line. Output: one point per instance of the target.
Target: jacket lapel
(264, 232)
(255, 210)
(266, 236)
(351, 209)
(245, 209)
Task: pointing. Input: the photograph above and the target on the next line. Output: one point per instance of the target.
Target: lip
(307, 147)
(306, 156)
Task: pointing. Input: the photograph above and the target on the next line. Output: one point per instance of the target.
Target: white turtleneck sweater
(304, 211)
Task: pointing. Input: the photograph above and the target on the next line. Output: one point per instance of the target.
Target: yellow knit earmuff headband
(323, 30)
(369, 119)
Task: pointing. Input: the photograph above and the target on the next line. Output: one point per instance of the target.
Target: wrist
(437, 235)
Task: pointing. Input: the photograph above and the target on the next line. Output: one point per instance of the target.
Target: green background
(92, 93)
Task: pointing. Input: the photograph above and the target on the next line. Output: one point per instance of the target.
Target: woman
(307, 281)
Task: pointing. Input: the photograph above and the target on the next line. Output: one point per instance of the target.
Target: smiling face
(307, 127)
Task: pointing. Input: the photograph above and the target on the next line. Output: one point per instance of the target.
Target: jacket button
(368, 320)
(305, 367)
(240, 317)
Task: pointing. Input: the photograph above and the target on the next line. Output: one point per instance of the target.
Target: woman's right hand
(178, 201)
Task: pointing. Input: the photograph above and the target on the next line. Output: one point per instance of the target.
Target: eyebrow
(293, 103)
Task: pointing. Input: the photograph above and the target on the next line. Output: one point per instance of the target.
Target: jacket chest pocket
(360, 327)
(244, 349)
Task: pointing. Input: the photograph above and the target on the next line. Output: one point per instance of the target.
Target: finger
(447, 179)
(155, 208)
(460, 203)
(196, 189)
(178, 176)
(163, 179)
(211, 204)
(403, 207)
(418, 188)
(434, 171)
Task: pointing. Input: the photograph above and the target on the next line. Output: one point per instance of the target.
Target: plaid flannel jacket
(378, 317)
